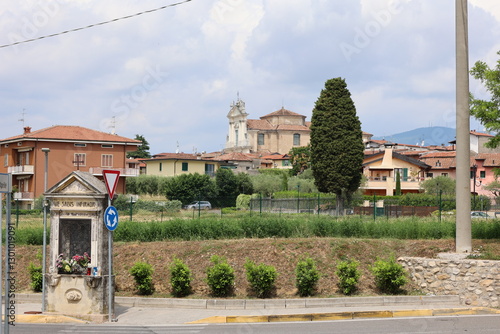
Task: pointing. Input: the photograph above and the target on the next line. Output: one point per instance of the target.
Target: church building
(279, 131)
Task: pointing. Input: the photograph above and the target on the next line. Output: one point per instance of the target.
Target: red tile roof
(177, 156)
(234, 156)
(282, 112)
(480, 134)
(71, 133)
(490, 159)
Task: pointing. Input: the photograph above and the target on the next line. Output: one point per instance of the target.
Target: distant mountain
(434, 135)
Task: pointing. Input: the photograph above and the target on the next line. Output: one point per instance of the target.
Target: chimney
(27, 129)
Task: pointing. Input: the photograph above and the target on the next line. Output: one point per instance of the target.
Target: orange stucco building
(71, 148)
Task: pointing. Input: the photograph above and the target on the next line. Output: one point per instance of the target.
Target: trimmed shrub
(36, 277)
(389, 275)
(348, 274)
(220, 277)
(262, 278)
(306, 277)
(180, 278)
(142, 273)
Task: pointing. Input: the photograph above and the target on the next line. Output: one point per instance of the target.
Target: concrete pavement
(164, 311)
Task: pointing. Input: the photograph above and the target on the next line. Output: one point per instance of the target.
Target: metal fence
(318, 205)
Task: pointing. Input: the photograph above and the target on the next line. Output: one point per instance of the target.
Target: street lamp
(45, 206)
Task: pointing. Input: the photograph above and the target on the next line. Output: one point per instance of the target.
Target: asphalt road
(476, 324)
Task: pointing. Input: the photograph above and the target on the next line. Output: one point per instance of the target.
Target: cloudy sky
(172, 74)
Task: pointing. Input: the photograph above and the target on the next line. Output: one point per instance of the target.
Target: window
(160, 167)
(210, 169)
(286, 163)
(107, 160)
(184, 166)
(260, 139)
(430, 175)
(107, 146)
(482, 174)
(79, 159)
(444, 174)
(80, 145)
(471, 174)
(296, 139)
(6, 160)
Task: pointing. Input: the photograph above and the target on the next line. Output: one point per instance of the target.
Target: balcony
(97, 171)
(23, 196)
(21, 170)
(386, 182)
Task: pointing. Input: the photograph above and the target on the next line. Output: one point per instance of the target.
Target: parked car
(205, 205)
(479, 214)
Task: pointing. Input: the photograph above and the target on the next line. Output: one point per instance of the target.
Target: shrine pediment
(78, 183)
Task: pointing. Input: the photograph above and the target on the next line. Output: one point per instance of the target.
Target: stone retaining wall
(476, 282)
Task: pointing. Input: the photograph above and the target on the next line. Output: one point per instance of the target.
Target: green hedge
(269, 226)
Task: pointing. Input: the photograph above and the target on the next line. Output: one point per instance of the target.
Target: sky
(172, 74)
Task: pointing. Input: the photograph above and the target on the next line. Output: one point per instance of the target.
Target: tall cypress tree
(336, 142)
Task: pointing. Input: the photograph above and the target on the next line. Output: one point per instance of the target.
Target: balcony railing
(392, 179)
(22, 169)
(123, 171)
(22, 196)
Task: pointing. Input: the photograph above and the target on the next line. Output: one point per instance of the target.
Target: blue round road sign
(111, 218)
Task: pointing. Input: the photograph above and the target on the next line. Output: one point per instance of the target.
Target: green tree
(300, 158)
(189, 187)
(266, 184)
(398, 183)
(337, 149)
(441, 183)
(142, 150)
(245, 185)
(488, 112)
(226, 185)
(494, 188)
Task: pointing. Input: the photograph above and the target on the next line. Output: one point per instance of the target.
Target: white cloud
(273, 53)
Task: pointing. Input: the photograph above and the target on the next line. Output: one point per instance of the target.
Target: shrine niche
(77, 279)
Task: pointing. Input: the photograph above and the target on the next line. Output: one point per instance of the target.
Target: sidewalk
(164, 311)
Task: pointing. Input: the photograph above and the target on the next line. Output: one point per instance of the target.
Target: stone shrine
(77, 279)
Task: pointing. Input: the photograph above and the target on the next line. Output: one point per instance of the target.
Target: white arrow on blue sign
(111, 218)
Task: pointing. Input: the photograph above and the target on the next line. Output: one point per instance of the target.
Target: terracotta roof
(276, 157)
(282, 112)
(480, 134)
(441, 163)
(234, 156)
(259, 124)
(71, 133)
(177, 156)
(440, 154)
(490, 159)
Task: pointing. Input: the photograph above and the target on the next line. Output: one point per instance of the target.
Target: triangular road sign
(111, 179)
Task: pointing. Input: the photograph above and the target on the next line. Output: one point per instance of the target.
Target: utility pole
(463, 221)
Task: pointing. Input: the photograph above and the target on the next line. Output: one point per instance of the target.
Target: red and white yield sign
(111, 179)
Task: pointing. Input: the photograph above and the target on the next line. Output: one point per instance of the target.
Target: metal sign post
(111, 178)
(5, 188)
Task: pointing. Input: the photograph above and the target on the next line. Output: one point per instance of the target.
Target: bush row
(286, 227)
(389, 277)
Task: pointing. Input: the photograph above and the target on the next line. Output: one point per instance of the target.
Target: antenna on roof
(113, 125)
(177, 150)
(22, 117)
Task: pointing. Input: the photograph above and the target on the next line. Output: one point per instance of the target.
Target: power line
(96, 24)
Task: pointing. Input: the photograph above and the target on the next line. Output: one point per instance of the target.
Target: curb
(259, 304)
(345, 315)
